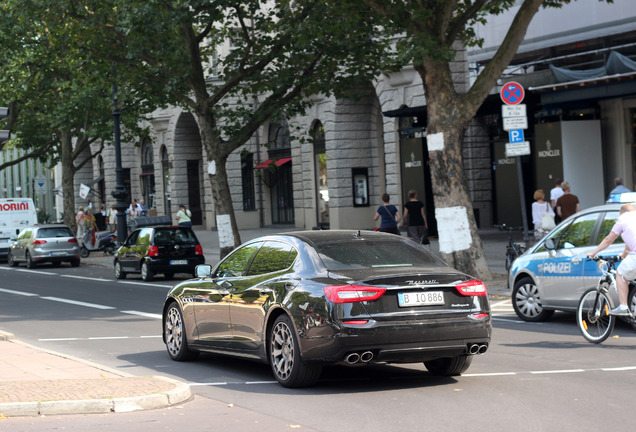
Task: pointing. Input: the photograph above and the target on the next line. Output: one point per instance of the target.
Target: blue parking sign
(515, 136)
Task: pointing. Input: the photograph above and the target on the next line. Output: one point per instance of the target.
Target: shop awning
(277, 162)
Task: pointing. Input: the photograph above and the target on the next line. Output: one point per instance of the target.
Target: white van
(15, 215)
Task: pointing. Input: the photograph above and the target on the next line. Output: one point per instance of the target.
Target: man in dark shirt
(568, 204)
(414, 213)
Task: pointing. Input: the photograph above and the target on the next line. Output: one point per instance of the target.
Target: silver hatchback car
(44, 243)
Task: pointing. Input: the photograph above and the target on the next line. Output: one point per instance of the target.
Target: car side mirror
(549, 244)
(203, 270)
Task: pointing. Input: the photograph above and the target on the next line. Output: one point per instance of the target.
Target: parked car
(553, 274)
(54, 243)
(305, 299)
(158, 249)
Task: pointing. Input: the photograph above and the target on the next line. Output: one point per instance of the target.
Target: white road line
(619, 369)
(143, 314)
(96, 338)
(557, 371)
(509, 320)
(87, 278)
(475, 375)
(144, 284)
(506, 302)
(22, 293)
(37, 272)
(73, 302)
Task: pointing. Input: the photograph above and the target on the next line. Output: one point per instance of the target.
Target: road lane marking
(87, 278)
(66, 339)
(143, 314)
(22, 293)
(474, 375)
(78, 303)
(37, 272)
(144, 284)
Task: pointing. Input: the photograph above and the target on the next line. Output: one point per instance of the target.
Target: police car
(553, 274)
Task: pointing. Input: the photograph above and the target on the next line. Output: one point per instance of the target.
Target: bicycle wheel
(509, 258)
(593, 317)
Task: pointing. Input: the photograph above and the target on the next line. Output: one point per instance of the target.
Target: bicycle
(513, 249)
(593, 311)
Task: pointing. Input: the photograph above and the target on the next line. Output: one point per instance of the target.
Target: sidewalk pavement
(34, 381)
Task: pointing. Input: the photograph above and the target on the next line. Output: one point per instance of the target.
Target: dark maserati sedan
(305, 299)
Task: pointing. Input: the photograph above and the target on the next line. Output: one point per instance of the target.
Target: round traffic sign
(512, 93)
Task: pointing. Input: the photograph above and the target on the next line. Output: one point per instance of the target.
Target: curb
(6, 336)
(180, 393)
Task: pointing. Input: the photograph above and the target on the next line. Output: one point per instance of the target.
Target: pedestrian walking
(79, 223)
(111, 218)
(568, 204)
(390, 216)
(555, 193)
(417, 226)
(541, 208)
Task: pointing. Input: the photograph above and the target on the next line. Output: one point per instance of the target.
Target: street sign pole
(515, 120)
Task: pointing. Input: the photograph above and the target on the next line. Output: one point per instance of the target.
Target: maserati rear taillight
(153, 251)
(471, 288)
(352, 293)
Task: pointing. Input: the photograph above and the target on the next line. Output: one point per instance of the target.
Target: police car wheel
(526, 301)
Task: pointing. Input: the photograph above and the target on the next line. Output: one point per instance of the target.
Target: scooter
(105, 241)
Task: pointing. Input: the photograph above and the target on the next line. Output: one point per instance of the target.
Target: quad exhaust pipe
(477, 349)
(353, 358)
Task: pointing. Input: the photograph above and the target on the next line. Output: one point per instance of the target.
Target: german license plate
(178, 262)
(56, 253)
(422, 298)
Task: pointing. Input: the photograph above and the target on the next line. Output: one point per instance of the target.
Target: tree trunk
(68, 174)
(460, 244)
(229, 237)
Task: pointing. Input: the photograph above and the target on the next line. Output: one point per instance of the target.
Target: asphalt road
(534, 377)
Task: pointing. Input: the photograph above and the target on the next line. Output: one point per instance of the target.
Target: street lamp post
(119, 193)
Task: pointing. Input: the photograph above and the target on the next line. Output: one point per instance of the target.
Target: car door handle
(576, 260)
(264, 291)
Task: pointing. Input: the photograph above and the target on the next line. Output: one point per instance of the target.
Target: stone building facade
(353, 152)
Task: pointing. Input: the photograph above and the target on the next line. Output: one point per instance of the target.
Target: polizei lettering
(14, 206)
(556, 268)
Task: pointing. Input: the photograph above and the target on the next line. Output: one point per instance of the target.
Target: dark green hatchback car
(159, 249)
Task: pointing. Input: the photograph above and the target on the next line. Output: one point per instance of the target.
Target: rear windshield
(172, 236)
(360, 254)
(54, 232)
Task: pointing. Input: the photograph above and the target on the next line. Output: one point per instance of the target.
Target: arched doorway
(281, 181)
(165, 175)
(320, 166)
(148, 176)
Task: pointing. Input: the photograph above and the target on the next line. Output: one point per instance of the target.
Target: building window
(247, 175)
(148, 174)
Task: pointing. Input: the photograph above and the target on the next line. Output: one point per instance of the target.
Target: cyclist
(625, 226)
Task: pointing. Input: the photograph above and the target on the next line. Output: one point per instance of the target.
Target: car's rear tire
(146, 274)
(527, 302)
(11, 260)
(29, 261)
(119, 272)
(284, 356)
(83, 251)
(449, 366)
(174, 332)
(75, 262)
(168, 275)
